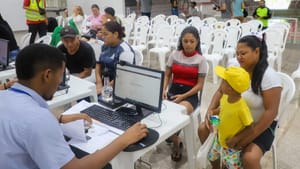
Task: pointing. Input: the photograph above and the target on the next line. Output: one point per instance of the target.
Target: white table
(79, 89)
(7, 74)
(173, 118)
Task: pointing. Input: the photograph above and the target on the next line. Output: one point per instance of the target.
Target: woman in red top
(186, 68)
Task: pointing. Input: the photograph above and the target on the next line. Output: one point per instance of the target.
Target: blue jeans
(174, 11)
(13, 54)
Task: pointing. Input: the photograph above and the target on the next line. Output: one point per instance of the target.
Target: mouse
(147, 141)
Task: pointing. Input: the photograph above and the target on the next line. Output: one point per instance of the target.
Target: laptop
(4, 55)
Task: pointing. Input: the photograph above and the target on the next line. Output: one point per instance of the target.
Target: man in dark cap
(80, 55)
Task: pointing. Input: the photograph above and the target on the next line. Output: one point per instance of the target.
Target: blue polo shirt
(31, 137)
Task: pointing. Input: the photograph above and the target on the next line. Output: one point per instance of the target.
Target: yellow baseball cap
(237, 77)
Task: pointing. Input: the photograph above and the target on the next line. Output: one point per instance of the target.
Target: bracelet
(5, 87)
(60, 118)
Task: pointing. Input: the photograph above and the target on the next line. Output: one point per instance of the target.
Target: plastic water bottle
(215, 121)
(107, 90)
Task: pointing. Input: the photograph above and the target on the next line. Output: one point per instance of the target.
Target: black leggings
(40, 28)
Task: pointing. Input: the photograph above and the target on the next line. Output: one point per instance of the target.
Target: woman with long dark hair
(263, 99)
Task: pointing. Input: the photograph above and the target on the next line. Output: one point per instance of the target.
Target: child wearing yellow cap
(234, 115)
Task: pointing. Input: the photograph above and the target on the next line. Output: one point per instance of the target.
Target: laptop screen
(4, 51)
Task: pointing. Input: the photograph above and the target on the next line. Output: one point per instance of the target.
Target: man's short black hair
(37, 57)
(110, 10)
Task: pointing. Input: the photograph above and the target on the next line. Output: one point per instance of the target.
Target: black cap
(68, 32)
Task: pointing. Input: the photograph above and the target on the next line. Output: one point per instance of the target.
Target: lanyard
(19, 91)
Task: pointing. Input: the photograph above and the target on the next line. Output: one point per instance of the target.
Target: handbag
(42, 11)
(201, 159)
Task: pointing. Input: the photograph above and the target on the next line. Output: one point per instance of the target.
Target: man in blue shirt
(31, 137)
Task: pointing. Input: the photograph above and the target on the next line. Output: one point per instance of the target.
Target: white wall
(118, 5)
(12, 11)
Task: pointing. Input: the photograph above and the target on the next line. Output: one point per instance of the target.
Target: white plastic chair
(196, 114)
(162, 44)
(233, 22)
(140, 37)
(24, 41)
(128, 25)
(245, 28)
(131, 17)
(178, 28)
(209, 20)
(296, 73)
(139, 57)
(193, 19)
(234, 34)
(153, 31)
(256, 25)
(96, 45)
(205, 37)
(219, 25)
(287, 94)
(273, 38)
(172, 19)
(215, 52)
(285, 28)
(44, 39)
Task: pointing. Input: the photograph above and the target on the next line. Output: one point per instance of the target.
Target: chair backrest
(140, 34)
(274, 39)
(256, 25)
(139, 57)
(24, 41)
(128, 25)
(232, 22)
(246, 28)
(179, 21)
(163, 36)
(205, 34)
(219, 25)
(219, 39)
(285, 28)
(96, 45)
(287, 93)
(191, 20)
(172, 19)
(210, 20)
(234, 34)
(131, 17)
(44, 39)
(142, 20)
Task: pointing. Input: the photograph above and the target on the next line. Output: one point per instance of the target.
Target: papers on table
(98, 136)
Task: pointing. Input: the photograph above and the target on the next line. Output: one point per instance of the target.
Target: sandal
(177, 152)
(169, 141)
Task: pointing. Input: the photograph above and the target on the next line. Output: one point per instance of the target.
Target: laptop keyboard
(116, 119)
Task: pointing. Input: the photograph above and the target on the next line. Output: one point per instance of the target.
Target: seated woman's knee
(251, 158)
